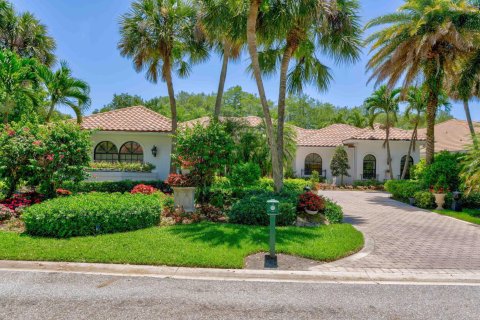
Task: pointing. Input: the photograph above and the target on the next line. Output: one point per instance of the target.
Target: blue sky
(87, 34)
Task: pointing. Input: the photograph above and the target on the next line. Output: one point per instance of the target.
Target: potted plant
(439, 190)
(311, 203)
(183, 191)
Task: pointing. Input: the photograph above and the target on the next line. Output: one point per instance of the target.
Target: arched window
(313, 162)
(402, 165)
(131, 152)
(369, 167)
(106, 151)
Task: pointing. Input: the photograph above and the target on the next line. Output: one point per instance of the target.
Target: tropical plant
(25, 35)
(384, 102)
(301, 29)
(17, 80)
(468, 86)
(417, 100)
(339, 164)
(159, 36)
(225, 29)
(470, 173)
(423, 40)
(63, 89)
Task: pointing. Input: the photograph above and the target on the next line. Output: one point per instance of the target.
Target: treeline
(301, 110)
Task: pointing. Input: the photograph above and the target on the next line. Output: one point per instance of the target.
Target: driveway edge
(339, 275)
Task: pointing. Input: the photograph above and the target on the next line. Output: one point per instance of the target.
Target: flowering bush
(179, 180)
(143, 189)
(20, 201)
(63, 192)
(311, 201)
(5, 213)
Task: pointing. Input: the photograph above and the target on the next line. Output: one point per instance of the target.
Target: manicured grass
(197, 245)
(469, 215)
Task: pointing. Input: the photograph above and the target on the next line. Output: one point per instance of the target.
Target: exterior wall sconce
(154, 151)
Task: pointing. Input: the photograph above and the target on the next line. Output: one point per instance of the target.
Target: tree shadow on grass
(236, 236)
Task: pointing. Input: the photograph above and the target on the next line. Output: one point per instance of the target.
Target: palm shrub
(470, 170)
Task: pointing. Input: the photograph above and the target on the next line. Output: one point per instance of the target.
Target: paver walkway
(400, 236)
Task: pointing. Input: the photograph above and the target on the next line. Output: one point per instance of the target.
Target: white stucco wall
(356, 152)
(147, 140)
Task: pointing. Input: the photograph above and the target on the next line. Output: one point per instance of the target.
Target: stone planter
(184, 197)
(311, 212)
(439, 200)
(186, 170)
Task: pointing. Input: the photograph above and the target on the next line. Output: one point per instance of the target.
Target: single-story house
(452, 135)
(137, 134)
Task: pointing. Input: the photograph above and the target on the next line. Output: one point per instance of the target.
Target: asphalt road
(35, 295)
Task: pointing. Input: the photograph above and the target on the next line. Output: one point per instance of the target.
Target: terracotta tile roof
(378, 132)
(251, 121)
(452, 135)
(134, 119)
(330, 136)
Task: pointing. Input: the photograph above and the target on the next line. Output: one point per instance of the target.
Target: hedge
(333, 212)
(403, 189)
(251, 210)
(91, 214)
(113, 186)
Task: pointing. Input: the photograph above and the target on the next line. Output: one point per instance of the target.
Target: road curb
(456, 277)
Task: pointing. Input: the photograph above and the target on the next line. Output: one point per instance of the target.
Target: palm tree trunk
(409, 154)
(252, 48)
(389, 154)
(167, 73)
(287, 55)
(431, 115)
(470, 123)
(223, 76)
(50, 112)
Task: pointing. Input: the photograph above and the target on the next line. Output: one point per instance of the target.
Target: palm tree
(470, 172)
(301, 30)
(424, 39)
(25, 35)
(417, 100)
(252, 43)
(384, 102)
(17, 77)
(226, 31)
(63, 89)
(159, 36)
(469, 86)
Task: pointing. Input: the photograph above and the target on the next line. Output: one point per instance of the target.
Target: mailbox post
(273, 211)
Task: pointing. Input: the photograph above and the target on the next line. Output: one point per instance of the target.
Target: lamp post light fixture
(154, 151)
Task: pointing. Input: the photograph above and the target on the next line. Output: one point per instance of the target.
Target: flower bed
(121, 166)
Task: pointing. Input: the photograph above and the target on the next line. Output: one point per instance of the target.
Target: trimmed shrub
(367, 183)
(245, 174)
(289, 185)
(403, 189)
(91, 214)
(446, 167)
(251, 210)
(113, 186)
(121, 166)
(424, 200)
(333, 212)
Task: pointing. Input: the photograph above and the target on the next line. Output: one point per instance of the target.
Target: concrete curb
(378, 276)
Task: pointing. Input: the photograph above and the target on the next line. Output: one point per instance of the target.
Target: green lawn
(469, 215)
(197, 245)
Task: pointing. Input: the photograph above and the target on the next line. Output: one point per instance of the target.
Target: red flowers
(37, 143)
(5, 213)
(10, 132)
(63, 192)
(50, 157)
(179, 180)
(22, 200)
(143, 189)
(311, 201)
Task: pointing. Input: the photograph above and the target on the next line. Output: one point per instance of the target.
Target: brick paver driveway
(406, 237)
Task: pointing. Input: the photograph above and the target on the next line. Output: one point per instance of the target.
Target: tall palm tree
(301, 30)
(159, 36)
(424, 39)
(469, 86)
(25, 35)
(415, 112)
(63, 89)
(225, 29)
(384, 102)
(17, 77)
(252, 43)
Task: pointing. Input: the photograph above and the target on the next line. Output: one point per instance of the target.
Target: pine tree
(339, 164)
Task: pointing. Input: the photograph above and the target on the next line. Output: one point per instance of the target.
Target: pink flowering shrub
(5, 213)
(143, 189)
